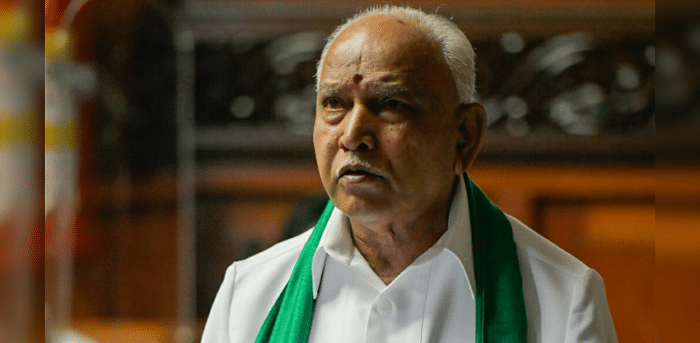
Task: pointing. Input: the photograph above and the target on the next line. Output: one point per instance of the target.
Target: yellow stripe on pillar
(64, 135)
(17, 129)
(14, 25)
(58, 44)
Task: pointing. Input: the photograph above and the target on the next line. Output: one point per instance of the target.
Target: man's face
(385, 133)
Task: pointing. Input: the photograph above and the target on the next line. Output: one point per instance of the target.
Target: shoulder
(260, 274)
(539, 250)
(564, 298)
(249, 290)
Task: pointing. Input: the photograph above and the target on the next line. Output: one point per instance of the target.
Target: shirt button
(385, 307)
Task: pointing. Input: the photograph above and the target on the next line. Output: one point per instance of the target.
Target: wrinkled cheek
(325, 150)
(425, 163)
(321, 136)
(411, 150)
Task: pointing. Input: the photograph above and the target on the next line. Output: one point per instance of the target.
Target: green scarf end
(500, 306)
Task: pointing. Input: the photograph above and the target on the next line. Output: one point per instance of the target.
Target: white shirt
(430, 301)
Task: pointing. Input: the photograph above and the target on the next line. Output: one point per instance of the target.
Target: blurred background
(178, 140)
(21, 159)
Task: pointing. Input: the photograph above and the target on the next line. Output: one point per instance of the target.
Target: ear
(472, 125)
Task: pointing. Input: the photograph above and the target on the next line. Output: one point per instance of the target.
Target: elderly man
(409, 249)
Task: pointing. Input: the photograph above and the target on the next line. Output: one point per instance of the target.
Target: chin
(361, 209)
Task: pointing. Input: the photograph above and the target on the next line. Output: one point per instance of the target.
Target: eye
(393, 104)
(333, 109)
(333, 103)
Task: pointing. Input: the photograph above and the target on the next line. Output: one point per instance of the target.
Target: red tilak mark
(357, 78)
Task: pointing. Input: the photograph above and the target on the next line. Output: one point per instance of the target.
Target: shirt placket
(396, 313)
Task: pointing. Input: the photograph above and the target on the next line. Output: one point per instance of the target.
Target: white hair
(454, 45)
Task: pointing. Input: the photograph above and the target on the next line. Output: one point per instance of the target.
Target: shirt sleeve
(216, 330)
(589, 318)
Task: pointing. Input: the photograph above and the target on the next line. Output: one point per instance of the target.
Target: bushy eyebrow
(381, 90)
(393, 90)
(328, 89)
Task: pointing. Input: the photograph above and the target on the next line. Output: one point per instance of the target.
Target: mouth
(354, 171)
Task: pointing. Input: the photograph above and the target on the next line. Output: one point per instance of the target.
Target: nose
(359, 131)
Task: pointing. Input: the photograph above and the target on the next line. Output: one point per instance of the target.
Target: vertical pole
(186, 178)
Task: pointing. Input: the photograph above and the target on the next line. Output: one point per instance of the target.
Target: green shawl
(500, 307)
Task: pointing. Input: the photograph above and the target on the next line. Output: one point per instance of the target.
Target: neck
(391, 246)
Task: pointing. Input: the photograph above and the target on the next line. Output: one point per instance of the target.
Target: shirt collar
(336, 240)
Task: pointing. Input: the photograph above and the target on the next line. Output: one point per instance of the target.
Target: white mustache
(355, 163)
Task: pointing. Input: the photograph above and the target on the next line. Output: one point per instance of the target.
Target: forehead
(382, 47)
